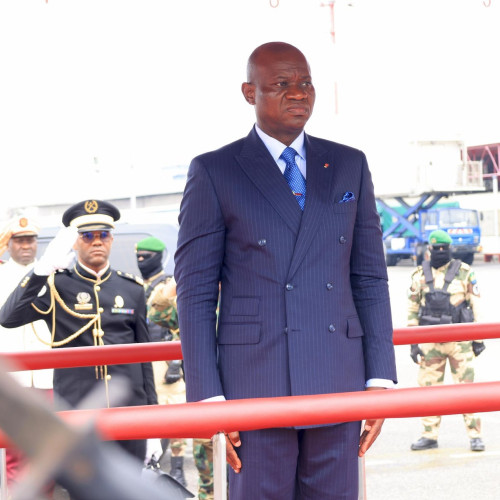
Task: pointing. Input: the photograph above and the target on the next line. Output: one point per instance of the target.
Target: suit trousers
(319, 463)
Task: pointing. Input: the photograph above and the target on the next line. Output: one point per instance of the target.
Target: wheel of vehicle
(468, 258)
(391, 260)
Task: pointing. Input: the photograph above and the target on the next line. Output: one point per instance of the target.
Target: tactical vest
(438, 309)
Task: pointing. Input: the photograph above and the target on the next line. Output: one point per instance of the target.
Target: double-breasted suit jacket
(304, 302)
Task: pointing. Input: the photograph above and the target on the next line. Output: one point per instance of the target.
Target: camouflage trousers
(169, 394)
(431, 372)
(203, 459)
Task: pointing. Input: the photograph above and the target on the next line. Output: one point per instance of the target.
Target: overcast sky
(125, 86)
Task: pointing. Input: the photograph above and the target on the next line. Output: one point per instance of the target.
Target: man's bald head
(266, 50)
(280, 87)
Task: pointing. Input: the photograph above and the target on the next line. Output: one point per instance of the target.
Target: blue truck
(406, 227)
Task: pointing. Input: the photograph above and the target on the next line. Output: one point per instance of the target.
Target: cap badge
(23, 221)
(91, 206)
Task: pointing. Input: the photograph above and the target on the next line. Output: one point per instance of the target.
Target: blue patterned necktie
(293, 176)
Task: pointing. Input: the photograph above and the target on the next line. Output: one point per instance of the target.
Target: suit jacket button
(289, 286)
(329, 286)
(342, 239)
(286, 329)
(331, 328)
(262, 242)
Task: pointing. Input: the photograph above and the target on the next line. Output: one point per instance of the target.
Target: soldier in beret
(86, 303)
(163, 325)
(444, 290)
(19, 237)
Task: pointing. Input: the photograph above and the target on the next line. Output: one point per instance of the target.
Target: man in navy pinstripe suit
(304, 302)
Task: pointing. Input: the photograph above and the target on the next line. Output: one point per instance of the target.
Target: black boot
(164, 444)
(177, 471)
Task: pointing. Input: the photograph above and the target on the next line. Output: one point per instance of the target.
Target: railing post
(361, 479)
(3, 474)
(220, 468)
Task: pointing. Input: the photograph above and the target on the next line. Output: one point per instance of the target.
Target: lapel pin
(326, 165)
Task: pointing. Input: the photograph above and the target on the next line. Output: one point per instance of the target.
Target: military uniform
(162, 310)
(30, 337)
(462, 288)
(87, 305)
(203, 454)
(88, 311)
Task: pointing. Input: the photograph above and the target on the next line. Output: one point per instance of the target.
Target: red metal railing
(205, 419)
(158, 351)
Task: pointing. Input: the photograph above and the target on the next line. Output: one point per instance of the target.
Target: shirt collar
(93, 273)
(276, 147)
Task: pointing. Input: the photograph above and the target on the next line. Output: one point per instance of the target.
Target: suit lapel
(320, 171)
(262, 170)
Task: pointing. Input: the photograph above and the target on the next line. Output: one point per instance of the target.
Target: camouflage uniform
(162, 309)
(459, 354)
(163, 312)
(203, 459)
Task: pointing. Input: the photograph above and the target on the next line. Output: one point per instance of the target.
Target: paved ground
(452, 471)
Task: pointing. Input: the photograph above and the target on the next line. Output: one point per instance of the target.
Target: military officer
(86, 303)
(444, 291)
(20, 239)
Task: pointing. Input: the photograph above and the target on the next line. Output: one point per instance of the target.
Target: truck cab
(461, 224)
(406, 229)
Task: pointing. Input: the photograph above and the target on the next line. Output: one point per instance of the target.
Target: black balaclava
(151, 265)
(440, 257)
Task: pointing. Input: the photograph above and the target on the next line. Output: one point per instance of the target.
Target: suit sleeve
(198, 263)
(18, 309)
(370, 285)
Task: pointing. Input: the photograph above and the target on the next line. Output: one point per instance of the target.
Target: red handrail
(205, 419)
(157, 351)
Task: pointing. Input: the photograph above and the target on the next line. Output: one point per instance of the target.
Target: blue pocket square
(348, 196)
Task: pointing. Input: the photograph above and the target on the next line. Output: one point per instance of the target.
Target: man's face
(283, 94)
(143, 255)
(93, 248)
(23, 249)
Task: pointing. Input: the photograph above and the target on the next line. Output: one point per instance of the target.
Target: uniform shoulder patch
(131, 277)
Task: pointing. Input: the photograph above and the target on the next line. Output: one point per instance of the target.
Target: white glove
(59, 252)
(154, 451)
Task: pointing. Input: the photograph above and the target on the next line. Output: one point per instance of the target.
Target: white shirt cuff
(213, 399)
(380, 382)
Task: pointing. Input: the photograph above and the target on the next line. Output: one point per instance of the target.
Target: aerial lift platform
(440, 170)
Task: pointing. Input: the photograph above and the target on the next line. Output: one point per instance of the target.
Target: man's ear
(248, 90)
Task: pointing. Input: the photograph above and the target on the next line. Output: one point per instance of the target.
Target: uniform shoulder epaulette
(464, 266)
(131, 277)
(63, 271)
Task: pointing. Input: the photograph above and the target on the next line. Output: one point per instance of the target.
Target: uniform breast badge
(118, 306)
(83, 299)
